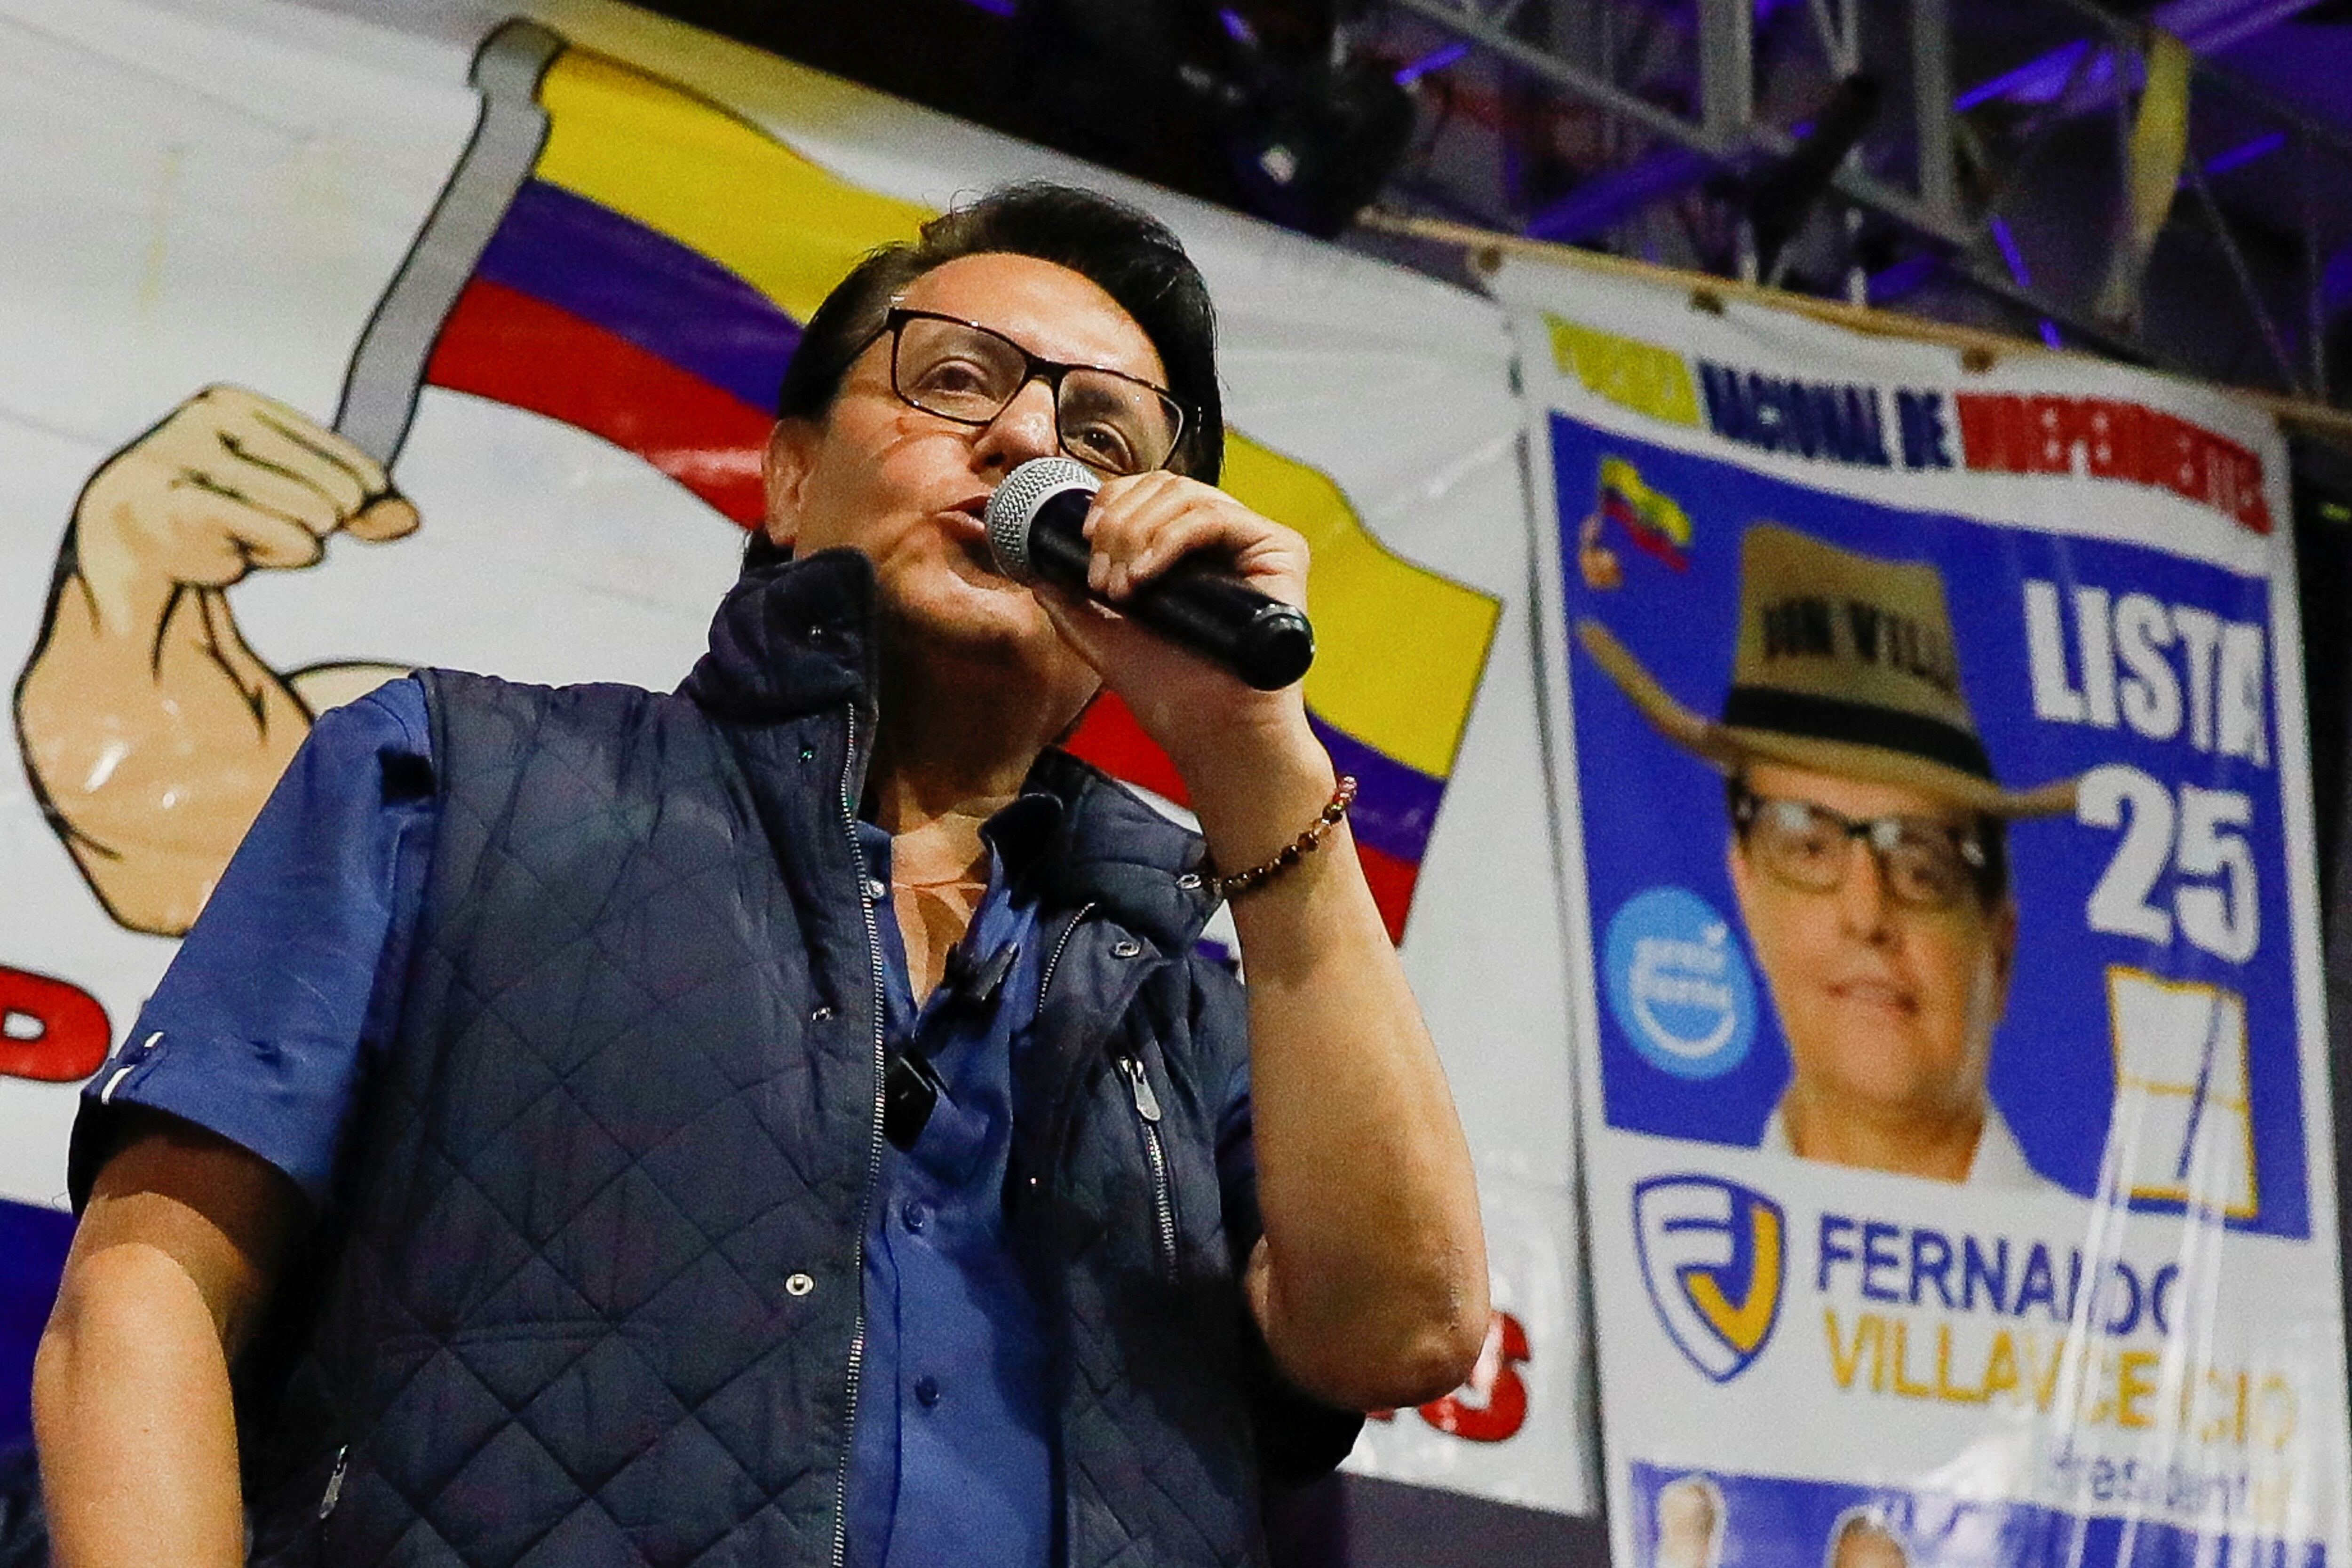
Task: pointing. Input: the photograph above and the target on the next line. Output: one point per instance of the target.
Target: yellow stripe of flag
(685, 168)
(1398, 650)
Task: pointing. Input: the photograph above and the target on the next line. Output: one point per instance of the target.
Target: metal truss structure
(1993, 187)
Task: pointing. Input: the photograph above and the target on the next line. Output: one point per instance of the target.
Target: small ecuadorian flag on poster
(1650, 517)
(626, 257)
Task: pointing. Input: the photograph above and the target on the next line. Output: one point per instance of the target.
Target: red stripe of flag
(1658, 545)
(1114, 742)
(1645, 534)
(510, 348)
(1392, 881)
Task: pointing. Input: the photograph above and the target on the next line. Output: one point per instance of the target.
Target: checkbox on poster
(2182, 1123)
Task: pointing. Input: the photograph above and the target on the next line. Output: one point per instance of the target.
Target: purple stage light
(1435, 60)
(2240, 156)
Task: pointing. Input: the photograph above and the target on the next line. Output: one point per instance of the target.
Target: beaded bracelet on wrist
(1306, 844)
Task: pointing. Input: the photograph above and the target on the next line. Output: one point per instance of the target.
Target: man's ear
(2004, 942)
(784, 467)
(1735, 865)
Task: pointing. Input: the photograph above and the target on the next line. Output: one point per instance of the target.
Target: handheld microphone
(1035, 529)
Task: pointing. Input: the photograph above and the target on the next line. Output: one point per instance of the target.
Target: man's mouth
(1872, 993)
(974, 513)
(973, 534)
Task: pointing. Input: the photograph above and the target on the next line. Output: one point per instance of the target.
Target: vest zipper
(1163, 1205)
(334, 1491)
(874, 1145)
(1147, 1109)
(1053, 959)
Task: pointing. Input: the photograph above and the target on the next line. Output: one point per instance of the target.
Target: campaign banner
(337, 339)
(1928, 746)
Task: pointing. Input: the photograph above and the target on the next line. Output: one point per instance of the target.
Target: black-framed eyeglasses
(1113, 423)
(1926, 863)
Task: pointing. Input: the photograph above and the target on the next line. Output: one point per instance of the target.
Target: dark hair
(1992, 878)
(1126, 252)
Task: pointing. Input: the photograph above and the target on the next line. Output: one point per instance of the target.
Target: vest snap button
(1126, 947)
(1189, 881)
(808, 754)
(821, 1015)
(799, 1285)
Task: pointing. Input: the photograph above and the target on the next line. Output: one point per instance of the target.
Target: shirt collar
(1999, 1163)
(798, 636)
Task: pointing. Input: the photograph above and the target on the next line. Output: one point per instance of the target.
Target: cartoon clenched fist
(230, 481)
(152, 731)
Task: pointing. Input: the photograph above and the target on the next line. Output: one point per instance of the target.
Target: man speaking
(784, 1121)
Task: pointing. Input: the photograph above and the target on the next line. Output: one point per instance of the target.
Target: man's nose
(1865, 901)
(1023, 429)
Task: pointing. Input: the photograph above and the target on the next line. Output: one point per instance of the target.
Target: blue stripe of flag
(585, 258)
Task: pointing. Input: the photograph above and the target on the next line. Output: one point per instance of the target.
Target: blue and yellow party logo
(1713, 1255)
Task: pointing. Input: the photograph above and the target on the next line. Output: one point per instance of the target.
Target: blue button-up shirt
(288, 987)
(950, 1460)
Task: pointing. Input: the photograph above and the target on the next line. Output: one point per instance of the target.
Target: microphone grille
(1014, 505)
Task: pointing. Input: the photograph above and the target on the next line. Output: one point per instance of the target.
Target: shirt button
(798, 1285)
(1126, 947)
(927, 1392)
(915, 1214)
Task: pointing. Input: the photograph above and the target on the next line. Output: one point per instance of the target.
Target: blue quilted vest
(588, 1290)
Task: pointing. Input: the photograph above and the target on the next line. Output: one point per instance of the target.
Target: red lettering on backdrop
(1493, 1404)
(2001, 432)
(50, 1029)
(2049, 435)
(2110, 433)
(2169, 449)
(1985, 424)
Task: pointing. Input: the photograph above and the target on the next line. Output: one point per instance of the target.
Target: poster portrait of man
(1866, 844)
